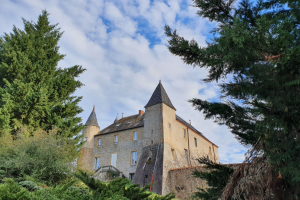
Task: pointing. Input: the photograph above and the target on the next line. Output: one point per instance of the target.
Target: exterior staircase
(107, 173)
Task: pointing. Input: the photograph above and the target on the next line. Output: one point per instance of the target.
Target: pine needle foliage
(121, 188)
(216, 176)
(255, 53)
(34, 91)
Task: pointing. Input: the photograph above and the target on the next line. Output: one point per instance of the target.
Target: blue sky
(122, 45)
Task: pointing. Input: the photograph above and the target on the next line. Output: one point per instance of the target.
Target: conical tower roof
(92, 120)
(160, 96)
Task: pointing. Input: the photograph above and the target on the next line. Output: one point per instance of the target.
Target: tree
(216, 176)
(255, 52)
(34, 91)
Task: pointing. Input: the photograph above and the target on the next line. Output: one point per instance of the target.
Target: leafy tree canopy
(34, 91)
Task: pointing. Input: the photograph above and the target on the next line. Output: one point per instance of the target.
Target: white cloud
(112, 40)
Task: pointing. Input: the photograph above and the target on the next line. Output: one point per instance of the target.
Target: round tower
(86, 160)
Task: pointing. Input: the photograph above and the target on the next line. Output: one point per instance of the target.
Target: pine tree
(255, 53)
(34, 91)
(216, 176)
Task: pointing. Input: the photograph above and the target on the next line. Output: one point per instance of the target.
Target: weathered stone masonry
(165, 143)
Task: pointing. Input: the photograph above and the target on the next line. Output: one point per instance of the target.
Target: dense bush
(40, 154)
(118, 189)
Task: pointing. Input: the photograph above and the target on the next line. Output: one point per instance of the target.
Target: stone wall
(183, 184)
(152, 156)
(86, 160)
(123, 149)
(175, 145)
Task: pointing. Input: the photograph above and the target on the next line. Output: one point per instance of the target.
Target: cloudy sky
(122, 45)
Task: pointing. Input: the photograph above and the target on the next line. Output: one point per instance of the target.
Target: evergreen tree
(34, 91)
(255, 52)
(216, 176)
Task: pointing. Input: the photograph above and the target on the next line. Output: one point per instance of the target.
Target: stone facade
(86, 160)
(165, 142)
(182, 182)
(123, 149)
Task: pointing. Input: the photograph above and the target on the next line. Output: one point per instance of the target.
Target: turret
(159, 112)
(86, 161)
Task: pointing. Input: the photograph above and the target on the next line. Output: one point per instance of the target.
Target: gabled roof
(130, 122)
(92, 120)
(160, 96)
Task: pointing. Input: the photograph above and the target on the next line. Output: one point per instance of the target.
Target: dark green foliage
(255, 52)
(216, 176)
(121, 188)
(11, 190)
(34, 91)
(30, 185)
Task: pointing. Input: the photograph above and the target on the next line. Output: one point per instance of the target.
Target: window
(97, 162)
(133, 157)
(85, 139)
(131, 175)
(135, 135)
(116, 137)
(145, 180)
(184, 133)
(99, 142)
(195, 139)
(169, 126)
(113, 160)
(173, 154)
(185, 153)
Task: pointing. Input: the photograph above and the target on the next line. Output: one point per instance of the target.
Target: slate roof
(160, 96)
(130, 122)
(92, 120)
(135, 121)
(191, 127)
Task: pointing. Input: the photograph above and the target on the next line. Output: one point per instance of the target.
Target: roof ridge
(127, 117)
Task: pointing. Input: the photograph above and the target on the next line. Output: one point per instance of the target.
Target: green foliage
(33, 91)
(216, 176)
(30, 185)
(121, 188)
(255, 52)
(12, 191)
(41, 155)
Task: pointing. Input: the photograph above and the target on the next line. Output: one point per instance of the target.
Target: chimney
(141, 112)
(190, 122)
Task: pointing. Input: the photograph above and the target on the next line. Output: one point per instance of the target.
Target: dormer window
(118, 124)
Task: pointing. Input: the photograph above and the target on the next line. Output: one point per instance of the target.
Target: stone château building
(146, 146)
